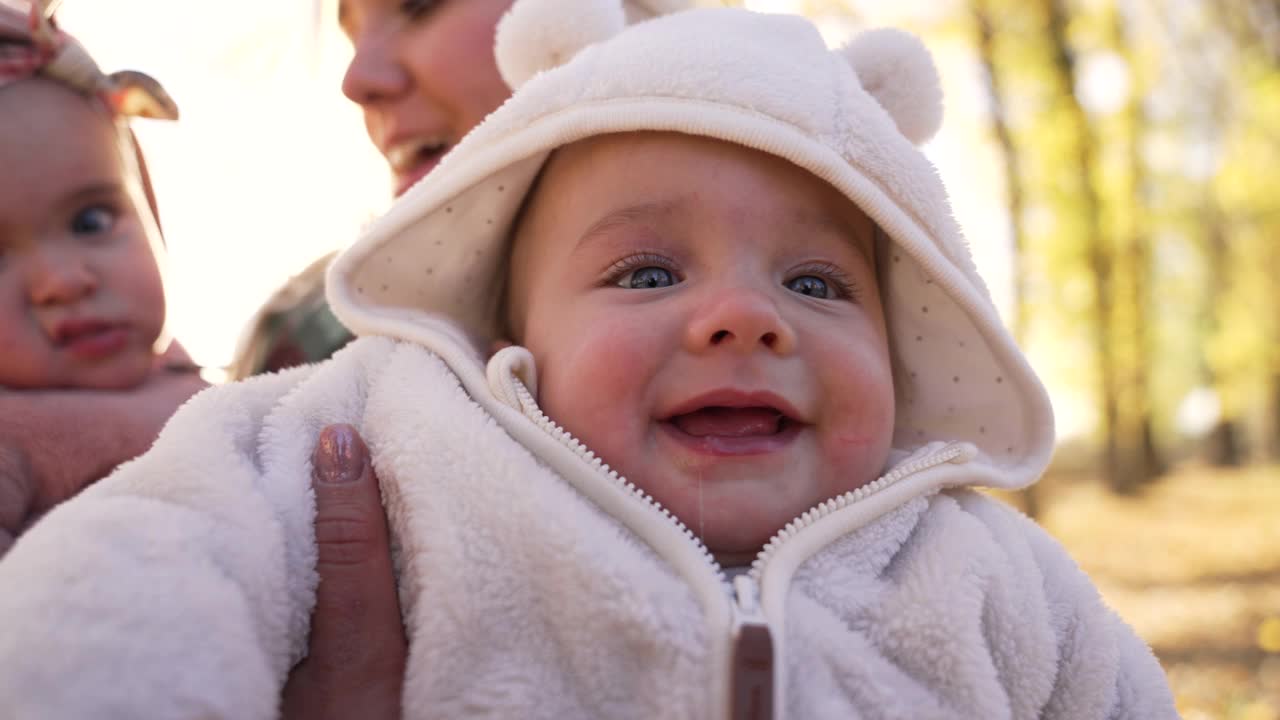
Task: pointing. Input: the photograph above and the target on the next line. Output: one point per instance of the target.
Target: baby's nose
(58, 278)
(741, 320)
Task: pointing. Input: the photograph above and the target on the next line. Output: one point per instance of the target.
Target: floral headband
(38, 47)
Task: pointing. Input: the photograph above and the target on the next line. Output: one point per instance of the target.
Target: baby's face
(81, 303)
(707, 319)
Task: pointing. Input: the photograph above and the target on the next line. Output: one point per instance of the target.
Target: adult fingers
(356, 659)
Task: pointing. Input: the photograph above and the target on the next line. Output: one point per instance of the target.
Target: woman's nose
(740, 320)
(375, 72)
(58, 278)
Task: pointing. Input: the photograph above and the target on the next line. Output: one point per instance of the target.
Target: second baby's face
(81, 300)
(707, 319)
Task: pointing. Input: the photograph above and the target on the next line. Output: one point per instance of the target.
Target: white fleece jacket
(535, 582)
(181, 586)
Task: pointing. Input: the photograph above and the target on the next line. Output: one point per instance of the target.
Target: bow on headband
(40, 48)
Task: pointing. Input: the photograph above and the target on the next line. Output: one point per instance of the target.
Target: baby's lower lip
(99, 344)
(733, 445)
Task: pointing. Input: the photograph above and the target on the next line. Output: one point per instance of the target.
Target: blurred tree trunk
(1142, 461)
(1255, 25)
(1216, 87)
(1222, 447)
(1254, 30)
(1271, 412)
(1012, 161)
(1272, 450)
(985, 37)
(1099, 251)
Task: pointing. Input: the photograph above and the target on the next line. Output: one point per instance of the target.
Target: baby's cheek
(22, 364)
(859, 429)
(594, 384)
(136, 276)
(856, 450)
(617, 357)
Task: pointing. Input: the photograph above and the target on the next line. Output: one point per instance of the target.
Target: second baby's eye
(810, 285)
(93, 221)
(417, 8)
(647, 278)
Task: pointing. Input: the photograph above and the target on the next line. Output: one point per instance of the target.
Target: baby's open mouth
(743, 426)
(732, 422)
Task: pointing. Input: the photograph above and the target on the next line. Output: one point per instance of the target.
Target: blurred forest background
(1136, 145)
(1116, 166)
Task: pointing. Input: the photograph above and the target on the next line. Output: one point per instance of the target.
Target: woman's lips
(732, 431)
(408, 178)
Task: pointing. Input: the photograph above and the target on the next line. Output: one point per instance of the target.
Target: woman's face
(424, 75)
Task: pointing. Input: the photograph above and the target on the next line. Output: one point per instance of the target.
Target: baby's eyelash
(845, 286)
(630, 263)
(417, 8)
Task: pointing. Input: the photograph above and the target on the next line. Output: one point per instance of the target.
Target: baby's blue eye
(648, 278)
(810, 285)
(93, 221)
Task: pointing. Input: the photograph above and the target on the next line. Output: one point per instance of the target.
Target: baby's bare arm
(55, 443)
(16, 493)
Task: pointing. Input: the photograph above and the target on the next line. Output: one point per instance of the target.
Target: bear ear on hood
(538, 35)
(898, 71)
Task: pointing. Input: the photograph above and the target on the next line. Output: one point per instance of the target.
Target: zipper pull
(751, 659)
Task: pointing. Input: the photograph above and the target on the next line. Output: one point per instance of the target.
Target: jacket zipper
(751, 657)
(753, 670)
(942, 455)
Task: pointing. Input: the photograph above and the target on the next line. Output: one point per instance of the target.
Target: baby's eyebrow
(92, 190)
(859, 233)
(626, 216)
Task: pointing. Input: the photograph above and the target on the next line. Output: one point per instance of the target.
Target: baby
(81, 300)
(708, 253)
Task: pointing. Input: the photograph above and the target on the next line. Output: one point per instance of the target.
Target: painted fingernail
(339, 455)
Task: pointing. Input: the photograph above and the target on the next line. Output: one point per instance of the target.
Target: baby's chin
(733, 546)
(736, 559)
(119, 375)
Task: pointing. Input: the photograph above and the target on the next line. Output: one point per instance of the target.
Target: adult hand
(356, 657)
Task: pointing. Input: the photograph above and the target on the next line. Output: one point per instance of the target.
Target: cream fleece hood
(850, 116)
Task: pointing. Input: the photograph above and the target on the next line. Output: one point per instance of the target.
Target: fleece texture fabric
(181, 586)
(536, 582)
